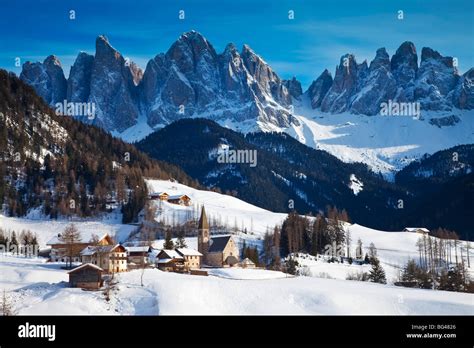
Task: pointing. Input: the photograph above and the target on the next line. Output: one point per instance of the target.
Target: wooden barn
(180, 199)
(170, 261)
(419, 230)
(86, 276)
(161, 196)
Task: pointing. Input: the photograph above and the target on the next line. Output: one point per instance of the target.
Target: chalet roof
(188, 252)
(91, 250)
(169, 254)
(203, 222)
(414, 229)
(218, 243)
(86, 237)
(86, 265)
(159, 194)
(138, 249)
(177, 197)
(247, 261)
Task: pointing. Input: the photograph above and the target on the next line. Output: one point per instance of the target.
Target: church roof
(219, 243)
(203, 223)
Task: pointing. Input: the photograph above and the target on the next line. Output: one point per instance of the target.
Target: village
(191, 240)
(99, 255)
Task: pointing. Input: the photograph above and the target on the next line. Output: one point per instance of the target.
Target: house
(180, 199)
(138, 255)
(60, 249)
(162, 196)
(192, 258)
(420, 230)
(219, 251)
(170, 261)
(247, 263)
(86, 276)
(111, 258)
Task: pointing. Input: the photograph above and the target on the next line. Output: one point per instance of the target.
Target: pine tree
(14, 241)
(453, 280)
(367, 258)
(291, 266)
(169, 245)
(377, 274)
(181, 241)
(410, 271)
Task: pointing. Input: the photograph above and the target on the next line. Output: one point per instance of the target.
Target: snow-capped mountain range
(240, 90)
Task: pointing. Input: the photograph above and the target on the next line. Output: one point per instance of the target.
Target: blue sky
(322, 31)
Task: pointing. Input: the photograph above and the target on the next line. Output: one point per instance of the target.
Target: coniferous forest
(64, 166)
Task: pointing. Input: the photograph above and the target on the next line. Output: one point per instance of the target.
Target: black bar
(241, 330)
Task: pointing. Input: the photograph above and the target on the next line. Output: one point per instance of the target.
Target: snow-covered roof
(414, 229)
(86, 265)
(137, 249)
(91, 250)
(158, 193)
(218, 243)
(188, 252)
(247, 261)
(86, 237)
(88, 251)
(177, 196)
(172, 254)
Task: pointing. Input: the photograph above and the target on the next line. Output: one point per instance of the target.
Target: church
(218, 251)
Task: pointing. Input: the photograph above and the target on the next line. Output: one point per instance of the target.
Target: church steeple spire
(203, 223)
(203, 235)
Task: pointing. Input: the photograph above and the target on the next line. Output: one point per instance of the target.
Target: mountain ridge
(191, 79)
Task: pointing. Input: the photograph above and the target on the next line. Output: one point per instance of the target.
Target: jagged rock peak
(294, 87)
(428, 53)
(381, 59)
(319, 88)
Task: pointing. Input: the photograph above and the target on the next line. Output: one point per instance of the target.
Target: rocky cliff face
(47, 78)
(191, 79)
(435, 83)
(319, 88)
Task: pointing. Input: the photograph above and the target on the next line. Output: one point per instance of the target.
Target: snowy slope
(47, 229)
(221, 207)
(39, 288)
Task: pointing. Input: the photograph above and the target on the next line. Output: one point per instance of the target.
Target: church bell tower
(203, 235)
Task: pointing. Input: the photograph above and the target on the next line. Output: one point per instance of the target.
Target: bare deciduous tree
(6, 305)
(71, 237)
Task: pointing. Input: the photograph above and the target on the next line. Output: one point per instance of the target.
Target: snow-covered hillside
(46, 229)
(385, 143)
(229, 210)
(38, 287)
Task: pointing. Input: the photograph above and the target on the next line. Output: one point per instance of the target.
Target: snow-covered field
(39, 288)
